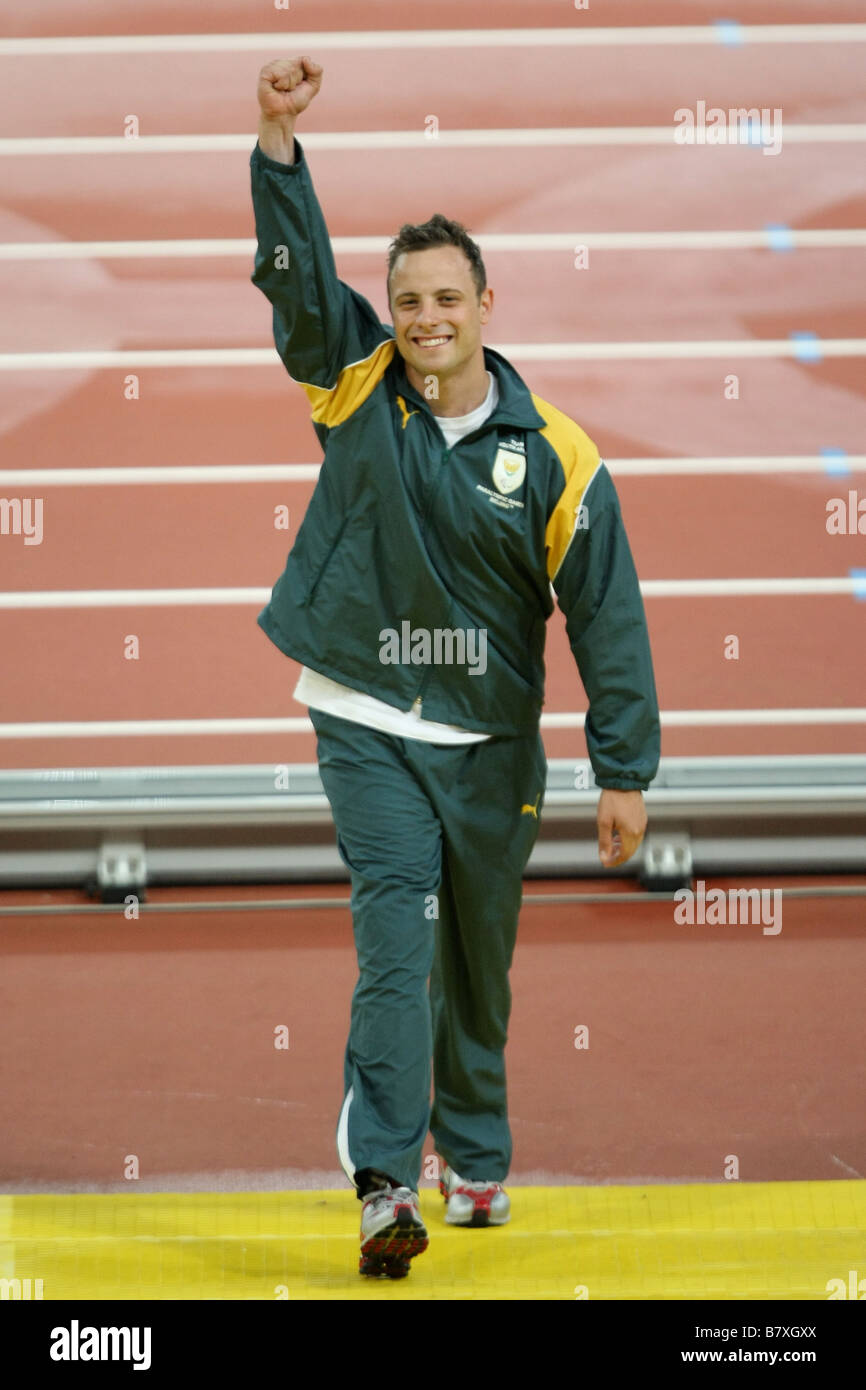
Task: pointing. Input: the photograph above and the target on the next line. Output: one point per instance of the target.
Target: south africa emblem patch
(509, 470)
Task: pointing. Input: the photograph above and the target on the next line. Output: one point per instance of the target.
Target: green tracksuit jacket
(405, 537)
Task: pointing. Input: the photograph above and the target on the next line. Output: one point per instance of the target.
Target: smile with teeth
(432, 342)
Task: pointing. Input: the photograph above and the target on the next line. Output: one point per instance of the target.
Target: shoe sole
(388, 1252)
(478, 1219)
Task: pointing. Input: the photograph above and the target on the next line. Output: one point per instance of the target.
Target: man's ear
(486, 305)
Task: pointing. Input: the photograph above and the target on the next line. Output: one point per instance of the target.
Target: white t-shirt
(320, 692)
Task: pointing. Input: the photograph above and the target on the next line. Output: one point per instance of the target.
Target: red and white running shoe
(392, 1232)
(473, 1203)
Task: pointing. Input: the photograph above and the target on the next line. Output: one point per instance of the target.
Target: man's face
(433, 297)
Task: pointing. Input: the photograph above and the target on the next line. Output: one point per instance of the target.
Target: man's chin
(433, 360)
(436, 354)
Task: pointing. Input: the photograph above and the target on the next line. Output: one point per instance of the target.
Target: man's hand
(622, 822)
(286, 88)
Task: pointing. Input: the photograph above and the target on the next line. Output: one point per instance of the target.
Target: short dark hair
(437, 231)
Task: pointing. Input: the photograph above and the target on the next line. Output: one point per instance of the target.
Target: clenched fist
(286, 88)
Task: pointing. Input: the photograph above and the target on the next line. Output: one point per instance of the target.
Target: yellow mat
(719, 1241)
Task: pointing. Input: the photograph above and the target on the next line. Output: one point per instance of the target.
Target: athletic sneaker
(392, 1232)
(473, 1203)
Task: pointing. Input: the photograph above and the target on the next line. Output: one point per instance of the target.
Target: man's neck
(458, 396)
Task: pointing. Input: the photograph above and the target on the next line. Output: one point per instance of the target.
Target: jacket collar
(515, 401)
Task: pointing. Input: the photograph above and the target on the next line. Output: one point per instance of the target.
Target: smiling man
(439, 303)
(451, 508)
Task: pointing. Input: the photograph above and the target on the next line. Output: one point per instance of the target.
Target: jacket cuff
(621, 786)
(264, 161)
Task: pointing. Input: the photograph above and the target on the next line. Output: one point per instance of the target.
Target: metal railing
(111, 828)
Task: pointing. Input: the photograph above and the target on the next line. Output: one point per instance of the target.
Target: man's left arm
(597, 588)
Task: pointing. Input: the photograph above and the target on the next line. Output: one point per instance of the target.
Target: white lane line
(203, 248)
(309, 472)
(707, 718)
(132, 598)
(700, 467)
(753, 588)
(224, 597)
(731, 347)
(828, 132)
(142, 728)
(582, 36)
(525, 352)
(185, 473)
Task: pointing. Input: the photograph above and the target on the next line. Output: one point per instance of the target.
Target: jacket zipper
(443, 459)
(417, 702)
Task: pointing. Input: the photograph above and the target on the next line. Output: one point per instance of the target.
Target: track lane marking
(582, 37)
(477, 138)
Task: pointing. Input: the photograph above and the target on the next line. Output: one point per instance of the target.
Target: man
(450, 501)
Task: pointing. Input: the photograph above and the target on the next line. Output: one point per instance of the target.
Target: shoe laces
(380, 1194)
(458, 1184)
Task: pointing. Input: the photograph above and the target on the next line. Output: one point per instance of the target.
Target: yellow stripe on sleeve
(580, 460)
(332, 405)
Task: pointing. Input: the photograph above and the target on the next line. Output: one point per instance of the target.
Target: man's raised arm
(286, 88)
(320, 324)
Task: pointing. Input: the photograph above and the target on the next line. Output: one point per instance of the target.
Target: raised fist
(287, 86)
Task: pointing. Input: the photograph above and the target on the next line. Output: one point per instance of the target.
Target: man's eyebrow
(404, 293)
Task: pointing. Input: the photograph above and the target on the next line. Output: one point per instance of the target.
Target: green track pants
(436, 838)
